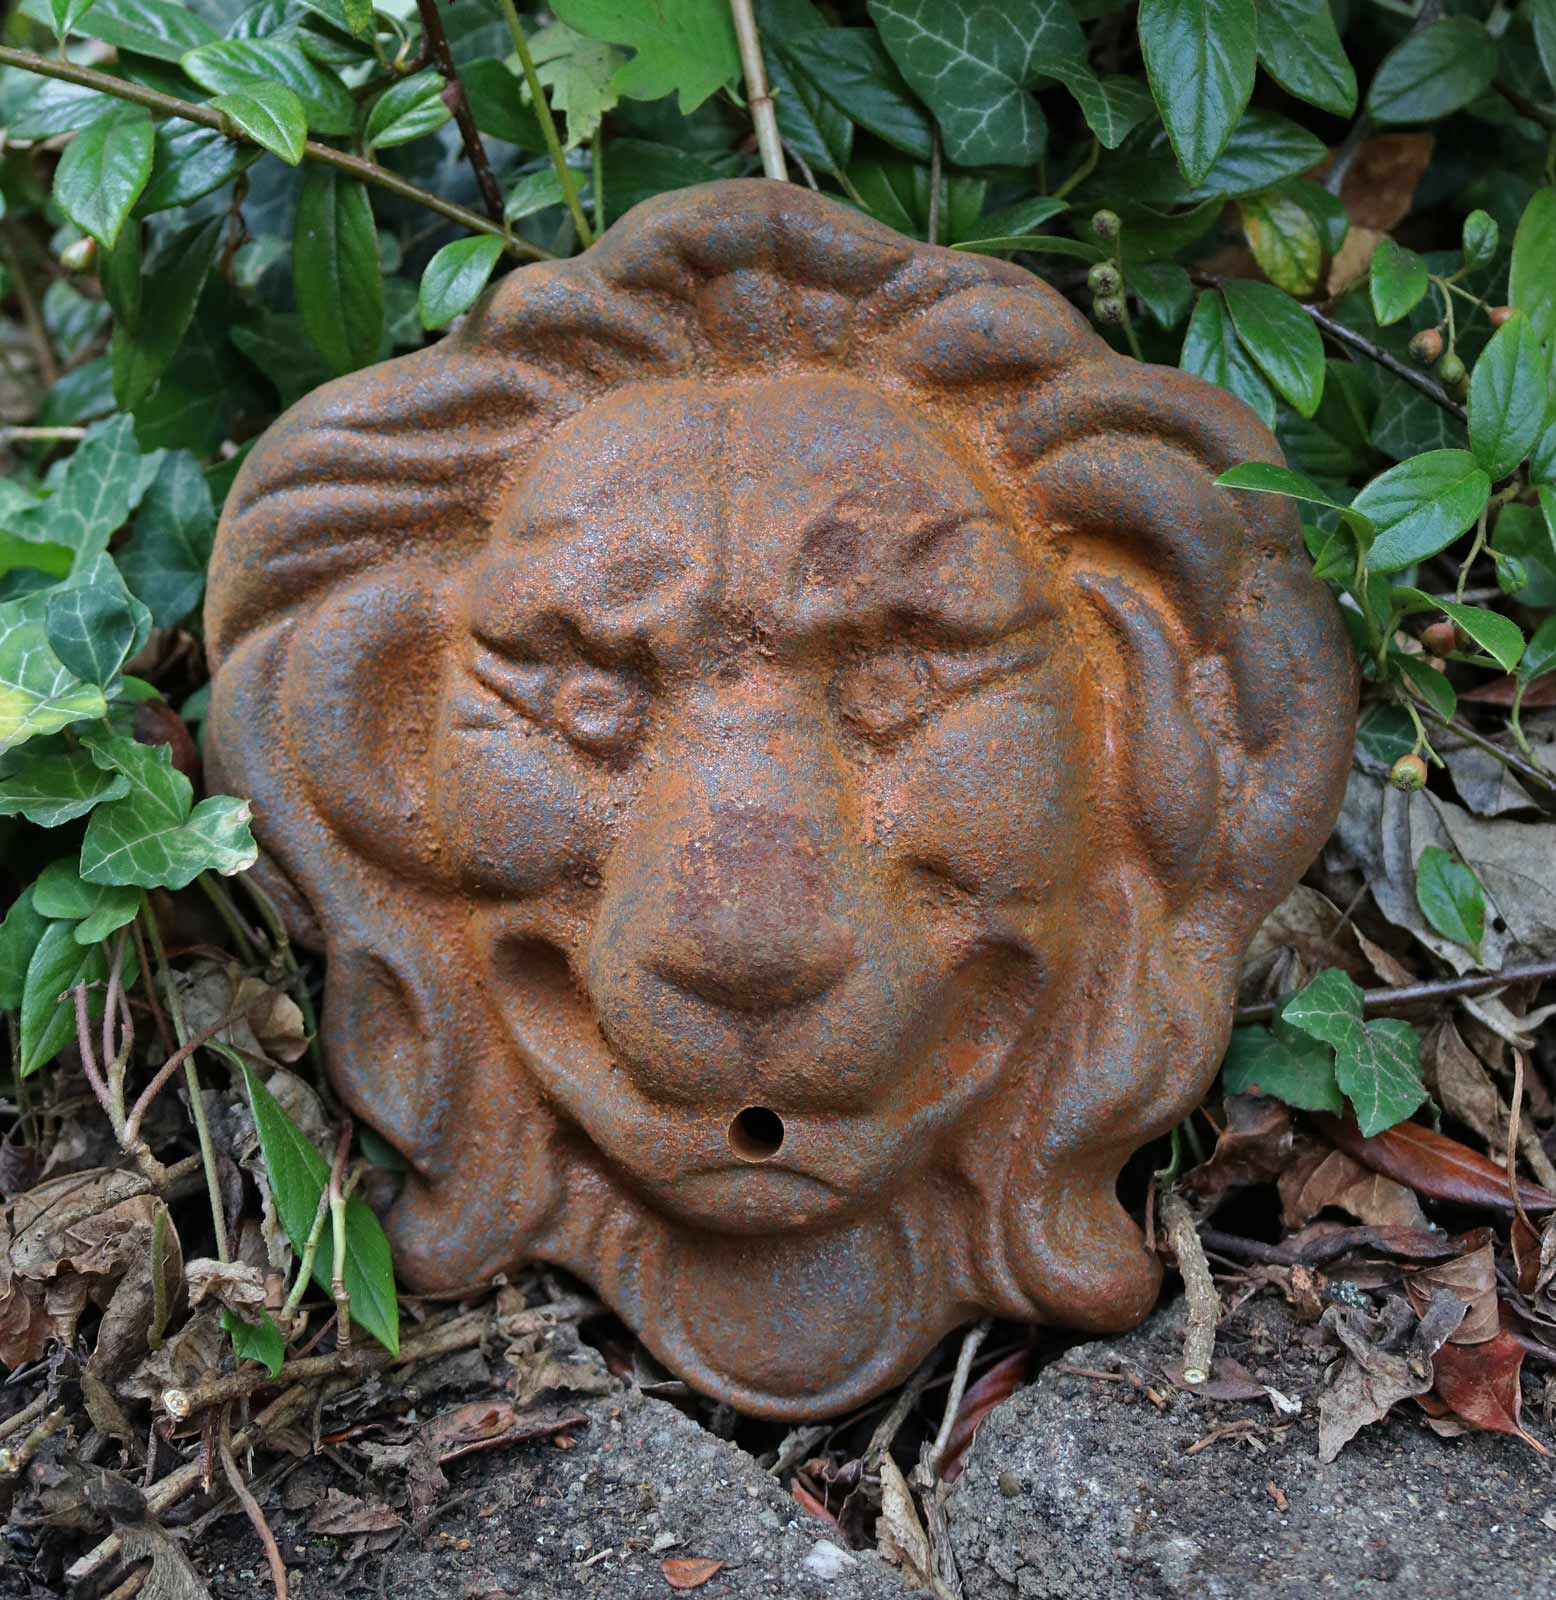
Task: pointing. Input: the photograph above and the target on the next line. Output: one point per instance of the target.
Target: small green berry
(1512, 574)
(1451, 371)
(1105, 224)
(1109, 311)
(1104, 279)
(1408, 773)
(1427, 346)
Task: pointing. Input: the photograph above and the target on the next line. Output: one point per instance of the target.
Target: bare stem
(454, 99)
(1414, 993)
(251, 1510)
(764, 120)
(1199, 1288)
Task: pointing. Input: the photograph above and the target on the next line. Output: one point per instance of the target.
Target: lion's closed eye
(598, 709)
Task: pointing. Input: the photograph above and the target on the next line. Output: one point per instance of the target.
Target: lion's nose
(752, 921)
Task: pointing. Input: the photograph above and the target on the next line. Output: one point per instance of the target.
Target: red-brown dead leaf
(1330, 1178)
(1380, 184)
(1479, 1382)
(343, 1514)
(689, 1572)
(806, 1501)
(1253, 1147)
(1470, 1276)
(997, 1384)
(1500, 692)
(1434, 1165)
(490, 1424)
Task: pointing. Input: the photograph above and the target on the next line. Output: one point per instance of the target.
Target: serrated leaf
(179, 270)
(250, 66)
(682, 47)
(1294, 1069)
(851, 68)
(581, 73)
(407, 110)
(95, 909)
(271, 114)
(256, 1341)
(1301, 50)
(1199, 58)
(1450, 897)
(93, 622)
(154, 837)
(972, 65)
(1509, 390)
(1284, 240)
(1211, 350)
(103, 170)
(170, 540)
(52, 787)
(1397, 280)
(48, 1017)
(454, 277)
(1433, 72)
(1280, 336)
(38, 693)
(335, 262)
(298, 1176)
(20, 932)
(1422, 505)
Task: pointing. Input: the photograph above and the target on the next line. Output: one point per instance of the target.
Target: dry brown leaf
(1392, 971)
(1470, 1277)
(899, 1534)
(1352, 260)
(1305, 932)
(344, 1514)
(1255, 1145)
(1460, 1083)
(689, 1572)
(1480, 1383)
(1322, 1178)
(1380, 183)
(234, 1284)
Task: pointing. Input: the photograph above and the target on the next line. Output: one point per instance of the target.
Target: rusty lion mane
(1210, 656)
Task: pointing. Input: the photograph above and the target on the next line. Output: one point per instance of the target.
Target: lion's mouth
(746, 1164)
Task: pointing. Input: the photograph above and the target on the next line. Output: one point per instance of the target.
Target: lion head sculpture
(784, 744)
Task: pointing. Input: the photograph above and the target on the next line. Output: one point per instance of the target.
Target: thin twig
(454, 99)
(338, 1193)
(168, 1068)
(1199, 1288)
(932, 230)
(547, 122)
(24, 1418)
(43, 348)
(764, 120)
(251, 1509)
(974, 1337)
(168, 105)
(1512, 762)
(1414, 993)
(20, 435)
(887, 1429)
(13, 1462)
(1526, 107)
(305, 1265)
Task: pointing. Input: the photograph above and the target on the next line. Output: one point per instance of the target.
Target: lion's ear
(1237, 691)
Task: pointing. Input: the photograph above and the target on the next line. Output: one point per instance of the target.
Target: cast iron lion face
(784, 745)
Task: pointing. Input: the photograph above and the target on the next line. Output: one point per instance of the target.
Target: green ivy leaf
(455, 276)
(1199, 57)
(340, 284)
(636, 169)
(154, 837)
(96, 909)
(1211, 350)
(271, 115)
(1450, 898)
(97, 489)
(682, 47)
(407, 110)
(179, 269)
(20, 933)
(298, 1175)
(1397, 280)
(972, 65)
(94, 623)
(1327, 1008)
(851, 68)
(1284, 239)
(38, 693)
(170, 540)
(1280, 336)
(1301, 51)
(1113, 106)
(1508, 391)
(1531, 282)
(1291, 1067)
(256, 1341)
(251, 66)
(1434, 72)
(51, 787)
(808, 123)
(103, 170)
(1422, 505)
(48, 1014)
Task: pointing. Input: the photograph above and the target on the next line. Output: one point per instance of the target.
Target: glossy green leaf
(250, 66)
(20, 931)
(494, 96)
(271, 115)
(1542, 13)
(179, 270)
(1433, 72)
(51, 787)
(93, 622)
(121, 274)
(256, 1341)
(1531, 281)
(407, 110)
(1450, 897)
(638, 169)
(1211, 350)
(1301, 51)
(155, 837)
(56, 107)
(161, 29)
(48, 1015)
(1164, 289)
(95, 909)
(1263, 150)
(1397, 281)
(1423, 505)
(851, 68)
(38, 693)
(340, 286)
(189, 162)
(1054, 244)
(535, 191)
(1500, 637)
(298, 1176)
(1281, 337)
(809, 124)
(1539, 655)
(1291, 1067)
(1113, 106)
(454, 277)
(1480, 237)
(170, 540)
(681, 47)
(1432, 684)
(1284, 239)
(103, 170)
(1263, 477)
(972, 65)
(1509, 389)
(1199, 57)
(65, 14)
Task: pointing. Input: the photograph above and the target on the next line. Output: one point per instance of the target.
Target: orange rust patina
(784, 745)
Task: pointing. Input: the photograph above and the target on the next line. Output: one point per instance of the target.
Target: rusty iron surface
(784, 745)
